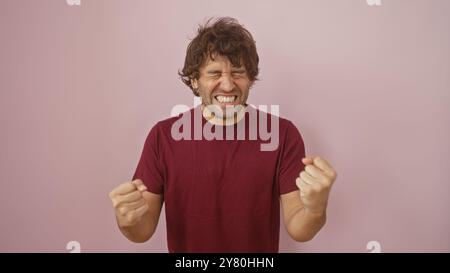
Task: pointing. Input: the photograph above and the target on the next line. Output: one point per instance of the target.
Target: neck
(223, 121)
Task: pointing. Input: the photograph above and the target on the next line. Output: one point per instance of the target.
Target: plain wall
(367, 86)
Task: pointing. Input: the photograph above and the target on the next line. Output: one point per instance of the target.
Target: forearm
(304, 225)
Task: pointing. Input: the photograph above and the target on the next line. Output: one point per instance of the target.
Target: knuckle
(122, 211)
(315, 189)
(333, 174)
(327, 181)
(136, 194)
(130, 217)
(115, 203)
(124, 186)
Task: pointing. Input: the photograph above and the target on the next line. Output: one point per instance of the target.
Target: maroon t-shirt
(221, 195)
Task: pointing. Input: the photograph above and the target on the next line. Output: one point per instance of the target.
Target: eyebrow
(214, 71)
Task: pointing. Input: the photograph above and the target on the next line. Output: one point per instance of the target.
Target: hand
(128, 202)
(315, 184)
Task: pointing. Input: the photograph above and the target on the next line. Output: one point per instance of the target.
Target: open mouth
(225, 99)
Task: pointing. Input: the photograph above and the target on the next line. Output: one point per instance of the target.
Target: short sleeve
(291, 163)
(149, 168)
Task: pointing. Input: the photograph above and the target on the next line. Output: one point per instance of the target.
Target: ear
(251, 85)
(194, 83)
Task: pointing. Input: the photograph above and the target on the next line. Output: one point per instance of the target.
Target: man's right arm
(137, 210)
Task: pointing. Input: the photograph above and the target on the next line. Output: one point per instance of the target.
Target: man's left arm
(304, 210)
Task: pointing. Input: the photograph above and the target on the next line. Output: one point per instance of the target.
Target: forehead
(218, 61)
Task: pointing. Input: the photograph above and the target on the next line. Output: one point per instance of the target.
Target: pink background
(367, 86)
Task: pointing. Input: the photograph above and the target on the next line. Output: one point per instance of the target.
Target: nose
(226, 82)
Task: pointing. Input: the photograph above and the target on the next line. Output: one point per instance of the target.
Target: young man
(223, 193)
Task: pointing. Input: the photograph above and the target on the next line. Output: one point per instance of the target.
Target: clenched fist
(315, 183)
(129, 203)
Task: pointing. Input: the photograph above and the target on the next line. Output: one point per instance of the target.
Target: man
(223, 194)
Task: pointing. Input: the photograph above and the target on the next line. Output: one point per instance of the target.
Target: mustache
(234, 92)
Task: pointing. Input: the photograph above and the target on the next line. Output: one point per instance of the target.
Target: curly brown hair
(223, 36)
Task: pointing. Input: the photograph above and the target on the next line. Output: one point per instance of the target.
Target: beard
(221, 110)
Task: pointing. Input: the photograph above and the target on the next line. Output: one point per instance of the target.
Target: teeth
(225, 99)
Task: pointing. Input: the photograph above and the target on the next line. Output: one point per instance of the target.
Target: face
(222, 85)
